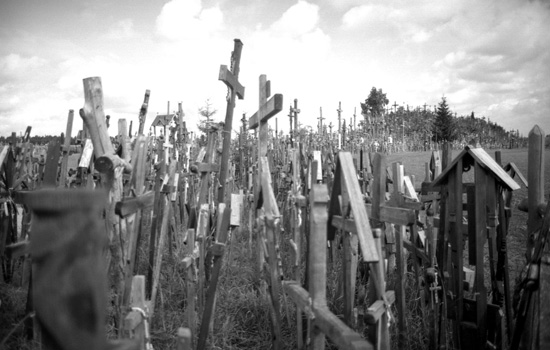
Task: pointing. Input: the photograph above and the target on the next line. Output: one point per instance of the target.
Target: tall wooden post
(66, 150)
(230, 78)
(143, 111)
(535, 177)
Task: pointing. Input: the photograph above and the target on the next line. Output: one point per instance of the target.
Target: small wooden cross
(320, 119)
(293, 114)
(339, 110)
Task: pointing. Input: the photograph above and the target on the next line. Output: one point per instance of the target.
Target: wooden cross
(143, 111)
(339, 110)
(320, 126)
(231, 79)
(267, 109)
(354, 117)
(293, 114)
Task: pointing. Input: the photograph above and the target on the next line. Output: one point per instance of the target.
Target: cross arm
(231, 81)
(268, 110)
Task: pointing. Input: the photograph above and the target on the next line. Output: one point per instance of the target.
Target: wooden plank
(300, 297)
(489, 164)
(3, 155)
(66, 147)
(544, 302)
(338, 332)
(515, 171)
(349, 177)
(455, 187)
(143, 112)
(270, 202)
(317, 157)
(317, 259)
(400, 261)
(236, 209)
(52, 162)
(481, 234)
(350, 259)
(166, 214)
(130, 205)
(409, 188)
(394, 215)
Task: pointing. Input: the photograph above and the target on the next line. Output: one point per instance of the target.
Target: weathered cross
(320, 119)
(354, 117)
(267, 109)
(230, 78)
(395, 105)
(339, 110)
(294, 114)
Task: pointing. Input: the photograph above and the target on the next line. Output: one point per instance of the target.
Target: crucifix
(339, 110)
(320, 119)
(294, 114)
(231, 78)
(395, 105)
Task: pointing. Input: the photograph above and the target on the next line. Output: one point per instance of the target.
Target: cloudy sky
(491, 57)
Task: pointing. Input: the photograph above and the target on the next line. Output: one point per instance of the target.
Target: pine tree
(444, 124)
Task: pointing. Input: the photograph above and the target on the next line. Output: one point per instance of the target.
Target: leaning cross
(230, 78)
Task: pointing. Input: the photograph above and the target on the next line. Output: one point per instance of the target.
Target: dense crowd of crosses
(328, 197)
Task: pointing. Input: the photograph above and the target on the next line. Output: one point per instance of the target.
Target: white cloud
(298, 20)
(187, 19)
(14, 65)
(123, 29)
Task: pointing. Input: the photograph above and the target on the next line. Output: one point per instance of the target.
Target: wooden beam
(364, 231)
(267, 110)
(339, 333)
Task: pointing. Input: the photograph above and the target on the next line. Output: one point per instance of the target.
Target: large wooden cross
(267, 109)
(231, 79)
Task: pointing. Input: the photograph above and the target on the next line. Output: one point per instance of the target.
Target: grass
(242, 312)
